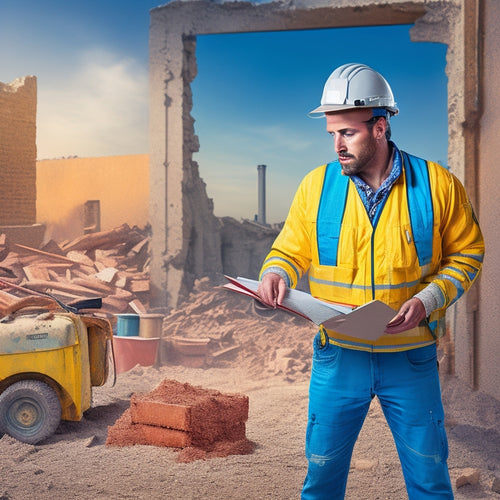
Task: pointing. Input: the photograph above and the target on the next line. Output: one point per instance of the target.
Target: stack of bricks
(180, 415)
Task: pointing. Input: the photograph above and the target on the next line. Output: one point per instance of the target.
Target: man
(376, 224)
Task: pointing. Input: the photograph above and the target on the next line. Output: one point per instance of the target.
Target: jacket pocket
(337, 244)
(400, 251)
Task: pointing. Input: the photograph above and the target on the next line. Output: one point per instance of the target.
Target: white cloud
(100, 109)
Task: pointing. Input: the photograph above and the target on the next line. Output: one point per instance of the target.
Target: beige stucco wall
(121, 183)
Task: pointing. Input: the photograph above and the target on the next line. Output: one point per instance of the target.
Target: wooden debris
(109, 264)
(7, 298)
(52, 247)
(22, 249)
(94, 284)
(137, 306)
(41, 285)
(121, 281)
(115, 304)
(101, 240)
(103, 261)
(4, 246)
(227, 350)
(107, 275)
(81, 258)
(139, 285)
(34, 272)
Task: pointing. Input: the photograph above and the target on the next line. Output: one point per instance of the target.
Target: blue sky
(251, 96)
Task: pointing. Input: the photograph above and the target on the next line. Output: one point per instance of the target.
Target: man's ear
(380, 128)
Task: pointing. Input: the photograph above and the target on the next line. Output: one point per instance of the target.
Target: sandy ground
(76, 463)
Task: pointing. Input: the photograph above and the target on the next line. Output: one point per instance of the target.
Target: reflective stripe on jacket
(426, 232)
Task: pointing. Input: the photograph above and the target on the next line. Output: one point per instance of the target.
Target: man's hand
(412, 312)
(272, 289)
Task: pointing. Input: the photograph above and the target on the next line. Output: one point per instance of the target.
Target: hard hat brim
(330, 108)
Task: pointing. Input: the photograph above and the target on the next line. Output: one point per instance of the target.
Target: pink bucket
(132, 351)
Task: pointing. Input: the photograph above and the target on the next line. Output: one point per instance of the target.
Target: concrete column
(166, 162)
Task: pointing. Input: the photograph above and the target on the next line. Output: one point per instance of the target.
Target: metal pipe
(261, 215)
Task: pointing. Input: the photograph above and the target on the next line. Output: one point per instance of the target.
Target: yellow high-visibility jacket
(425, 232)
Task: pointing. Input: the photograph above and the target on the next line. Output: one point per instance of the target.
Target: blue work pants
(343, 383)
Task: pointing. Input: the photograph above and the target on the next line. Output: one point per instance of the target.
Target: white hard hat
(356, 86)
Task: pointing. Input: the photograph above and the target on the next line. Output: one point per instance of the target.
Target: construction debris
(466, 476)
(111, 264)
(214, 327)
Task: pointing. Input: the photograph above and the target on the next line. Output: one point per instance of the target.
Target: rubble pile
(109, 264)
(214, 326)
(265, 342)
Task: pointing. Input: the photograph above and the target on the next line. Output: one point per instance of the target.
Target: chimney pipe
(261, 216)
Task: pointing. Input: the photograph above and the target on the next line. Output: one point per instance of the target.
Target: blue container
(127, 325)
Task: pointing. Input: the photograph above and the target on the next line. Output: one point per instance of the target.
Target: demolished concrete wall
(18, 101)
(175, 187)
(461, 24)
(186, 242)
(244, 246)
(199, 254)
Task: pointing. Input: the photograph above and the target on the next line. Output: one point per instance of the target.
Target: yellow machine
(49, 362)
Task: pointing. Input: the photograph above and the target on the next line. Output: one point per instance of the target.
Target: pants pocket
(323, 351)
(423, 358)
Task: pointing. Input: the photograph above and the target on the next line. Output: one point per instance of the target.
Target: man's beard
(357, 166)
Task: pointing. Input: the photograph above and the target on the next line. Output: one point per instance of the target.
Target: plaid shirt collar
(373, 200)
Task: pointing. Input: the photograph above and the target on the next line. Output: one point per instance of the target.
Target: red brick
(144, 411)
(126, 433)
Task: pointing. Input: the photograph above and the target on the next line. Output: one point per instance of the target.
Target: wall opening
(252, 93)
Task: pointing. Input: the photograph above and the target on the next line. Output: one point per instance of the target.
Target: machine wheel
(30, 411)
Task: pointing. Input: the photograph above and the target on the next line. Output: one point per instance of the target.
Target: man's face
(355, 141)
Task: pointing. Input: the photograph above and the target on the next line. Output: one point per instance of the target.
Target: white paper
(366, 322)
